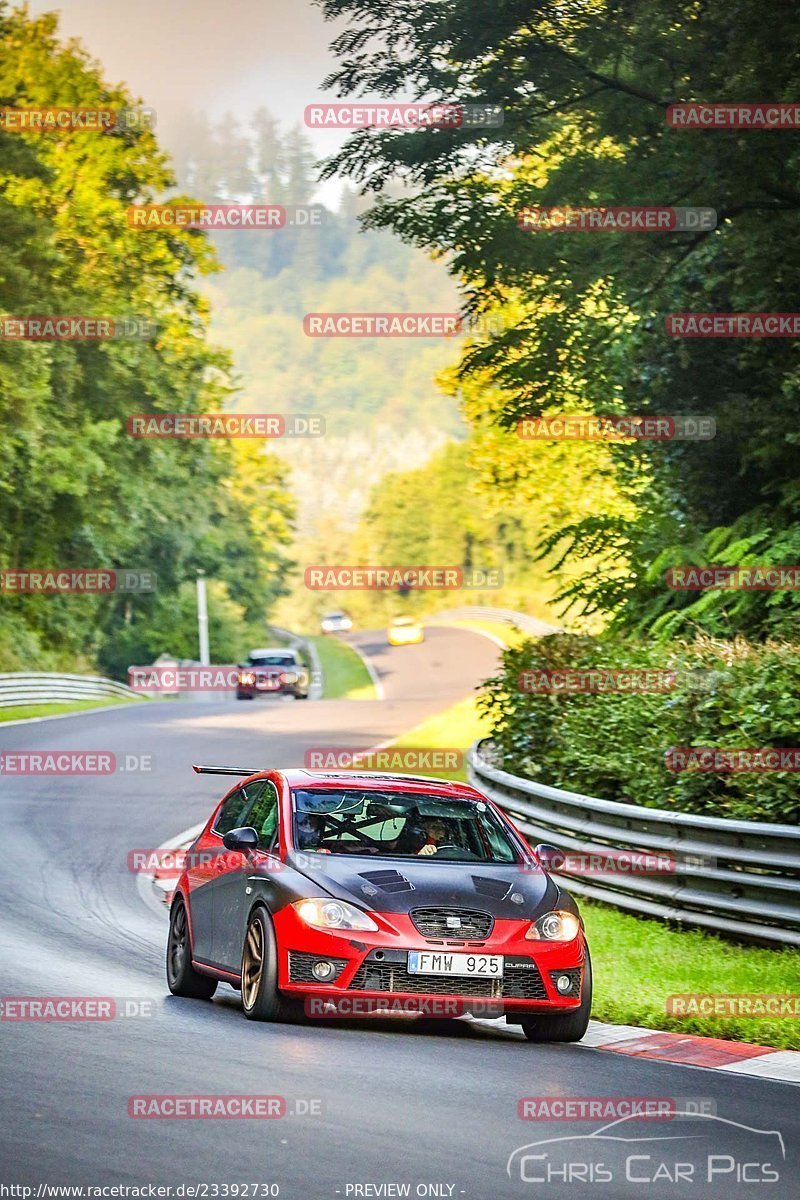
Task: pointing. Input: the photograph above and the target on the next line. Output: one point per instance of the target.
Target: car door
(206, 861)
(230, 898)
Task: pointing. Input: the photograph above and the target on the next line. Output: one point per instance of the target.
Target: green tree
(584, 87)
(75, 489)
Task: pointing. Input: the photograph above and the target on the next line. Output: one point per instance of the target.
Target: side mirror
(549, 856)
(243, 839)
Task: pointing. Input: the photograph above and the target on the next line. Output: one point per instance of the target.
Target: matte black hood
(396, 885)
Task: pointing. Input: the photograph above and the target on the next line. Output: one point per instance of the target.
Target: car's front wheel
(563, 1027)
(182, 979)
(261, 999)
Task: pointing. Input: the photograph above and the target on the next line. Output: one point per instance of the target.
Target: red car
(338, 893)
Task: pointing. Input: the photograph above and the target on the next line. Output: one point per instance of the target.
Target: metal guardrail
(505, 616)
(740, 878)
(44, 687)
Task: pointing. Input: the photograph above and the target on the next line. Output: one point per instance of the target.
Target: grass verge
(345, 676)
(639, 962)
(454, 729)
(69, 706)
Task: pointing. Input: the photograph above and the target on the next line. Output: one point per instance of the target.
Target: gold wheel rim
(253, 963)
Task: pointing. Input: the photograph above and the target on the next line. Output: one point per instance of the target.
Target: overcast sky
(217, 55)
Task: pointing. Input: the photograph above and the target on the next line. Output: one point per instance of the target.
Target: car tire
(261, 999)
(182, 979)
(563, 1027)
(242, 696)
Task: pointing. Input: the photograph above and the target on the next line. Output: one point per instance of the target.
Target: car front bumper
(371, 968)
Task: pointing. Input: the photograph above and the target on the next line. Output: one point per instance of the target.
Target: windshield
(271, 660)
(398, 825)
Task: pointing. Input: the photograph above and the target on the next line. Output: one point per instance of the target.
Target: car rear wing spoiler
(244, 771)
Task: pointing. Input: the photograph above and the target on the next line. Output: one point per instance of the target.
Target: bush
(727, 694)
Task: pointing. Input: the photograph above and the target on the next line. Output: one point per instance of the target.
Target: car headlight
(556, 926)
(333, 914)
(247, 677)
(288, 677)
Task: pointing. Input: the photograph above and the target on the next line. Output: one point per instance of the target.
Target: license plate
(433, 962)
(267, 685)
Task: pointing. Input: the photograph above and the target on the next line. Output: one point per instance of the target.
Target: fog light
(323, 970)
(564, 984)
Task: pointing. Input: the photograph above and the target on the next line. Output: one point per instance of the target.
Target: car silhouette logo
(453, 922)
(623, 1134)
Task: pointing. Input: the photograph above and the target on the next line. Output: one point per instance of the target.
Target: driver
(435, 835)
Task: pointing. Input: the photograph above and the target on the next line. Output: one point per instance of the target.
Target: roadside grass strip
(345, 675)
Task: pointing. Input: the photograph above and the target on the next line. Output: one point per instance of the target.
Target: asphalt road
(390, 1103)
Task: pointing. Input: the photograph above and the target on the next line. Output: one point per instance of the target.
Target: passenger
(310, 830)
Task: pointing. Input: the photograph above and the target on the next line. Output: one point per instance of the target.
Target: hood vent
(388, 881)
(498, 888)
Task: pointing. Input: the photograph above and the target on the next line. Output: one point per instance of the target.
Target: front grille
(524, 984)
(441, 923)
(517, 984)
(300, 967)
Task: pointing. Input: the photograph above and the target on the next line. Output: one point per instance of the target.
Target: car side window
(231, 812)
(262, 814)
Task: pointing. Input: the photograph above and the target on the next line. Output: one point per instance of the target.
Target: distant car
(405, 631)
(272, 672)
(336, 622)
(309, 886)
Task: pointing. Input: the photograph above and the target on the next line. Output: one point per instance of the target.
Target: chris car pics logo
(694, 1148)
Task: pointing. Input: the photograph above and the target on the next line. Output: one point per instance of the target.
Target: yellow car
(404, 631)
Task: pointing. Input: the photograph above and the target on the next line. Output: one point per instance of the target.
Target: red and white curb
(739, 1058)
(686, 1049)
(157, 887)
